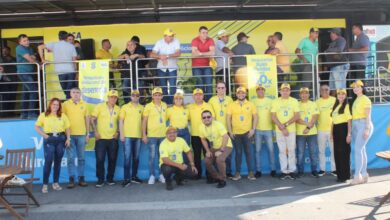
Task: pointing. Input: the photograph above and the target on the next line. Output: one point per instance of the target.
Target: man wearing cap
(242, 48)
(307, 132)
(241, 123)
(178, 117)
(153, 130)
(166, 51)
(264, 130)
(105, 124)
(338, 63)
(307, 51)
(218, 147)
(202, 48)
(219, 103)
(171, 159)
(221, 49)
(284, 113)
(195, 110)
(130, 120)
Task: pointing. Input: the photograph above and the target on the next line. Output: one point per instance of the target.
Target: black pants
(197, 147)
(342, 151)
(356, 72)
(219, 77)
(112, 81)
(105, 147)
(168, 171)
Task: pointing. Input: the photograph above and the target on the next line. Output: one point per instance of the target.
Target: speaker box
(88, 48)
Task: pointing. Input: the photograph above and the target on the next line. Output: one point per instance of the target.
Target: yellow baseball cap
(222, 33)
(113, 93)
(169, 32)
(241, 89)
(304, 89)
(157, 90)
(178, 95)
(197, 91)
(260, 86)
(285, 85)
(341, 91)
(135, 92)
(357, 83)
(170, 128)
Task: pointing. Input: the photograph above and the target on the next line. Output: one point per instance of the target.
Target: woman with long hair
(362, 129)
(341, 135)
(53, 126)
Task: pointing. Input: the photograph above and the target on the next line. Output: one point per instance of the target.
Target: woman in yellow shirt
(362, 129)
(178, 117)
(53, 126)
(341, 135)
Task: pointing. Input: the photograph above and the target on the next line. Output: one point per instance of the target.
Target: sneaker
(321, 173)
(136, 180)
(152, 180)
(45, 189)
(56, 186)
(221, 184)
(283, 176)
(169, 185)
(341, 181)
(258, 174)
(161, 178)
(236, 177)
(111, 182)
(229, 176)
(292, 176)
(365, 179)
(251, 176)
(300, 174)
(126, 183)
(333, 173)
(314, 174)
(356, 181)
(99, 184)
(273, 173)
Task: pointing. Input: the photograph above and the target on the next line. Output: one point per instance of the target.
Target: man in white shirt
(221, 49)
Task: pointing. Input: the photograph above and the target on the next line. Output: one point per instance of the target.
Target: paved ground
(265, 198)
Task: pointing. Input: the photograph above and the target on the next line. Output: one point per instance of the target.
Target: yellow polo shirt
(263, 107)
(103, 54)
(195, 111)
(157, 119)
(178, 117)
(359, 107)
(76, 113)
(308, 110)
(241, 116)
(214, 134)
(107, 120)
(173, 150)
(220, 107)
(53, 124)
(285, 110)
(325, 107)
(132, 116)
(341, 118)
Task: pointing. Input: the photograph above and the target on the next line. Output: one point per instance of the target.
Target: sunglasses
(206, 117)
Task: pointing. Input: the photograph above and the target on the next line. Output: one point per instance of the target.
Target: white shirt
(163, 48)
(218, 52)
(63, 52)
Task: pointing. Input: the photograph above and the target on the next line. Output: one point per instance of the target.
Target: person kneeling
(171, 159)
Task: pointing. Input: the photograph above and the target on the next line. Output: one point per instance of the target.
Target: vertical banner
(94, 85)
(261, 69)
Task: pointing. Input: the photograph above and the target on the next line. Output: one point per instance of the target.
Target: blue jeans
(312, 144)
(154, 154)
(29, 95)
(267, 137)
(53, 149)
(131, 150)
(67, 81)
(105, 147)
(241, 142)
(77, 148)
(204, 80)
(338, 76)
(164, 77)
(359, 143)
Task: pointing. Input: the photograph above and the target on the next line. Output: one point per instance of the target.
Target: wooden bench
(384, 155)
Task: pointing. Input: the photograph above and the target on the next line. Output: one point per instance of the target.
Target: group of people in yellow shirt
(216, 127)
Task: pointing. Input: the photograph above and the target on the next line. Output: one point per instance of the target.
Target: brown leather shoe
(82, 182)
(71, 183)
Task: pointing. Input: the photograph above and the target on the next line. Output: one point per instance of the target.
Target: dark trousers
(197, 147)
(220, 77)
(342, 151)
(53, 149)
(67, 81)
(112, 81)
(242, 142)
(105, 147)
(168, 171)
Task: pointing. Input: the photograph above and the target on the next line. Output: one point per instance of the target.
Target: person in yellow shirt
(325, 105)
(241, 123)
(105, 118)
(178, 117)
(219, 103)
(104, 53)
(284, 113)
(218, 147)
(53, 126)
(77, 112)
(362, 129)
(307, 132)
(130, 119)
(153, 130)
(341, 135)
(171, 159)
(195, 109)
(264, 130)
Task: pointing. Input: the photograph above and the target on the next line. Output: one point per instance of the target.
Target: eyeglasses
(206, 117)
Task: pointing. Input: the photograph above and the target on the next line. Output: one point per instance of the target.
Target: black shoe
(300, 174)
(292, 176)
(126, 183)
(110, 182)
(321, 173)
(229, 176)
(341, 181)
(283, 176)
(258, 174)
(178, 181)
(221, 184)
(71, 184)
(314, 174)
(273, 173)
(99, 184)
(333, 173)
(136, 180)
(169, 185)
(211, 181)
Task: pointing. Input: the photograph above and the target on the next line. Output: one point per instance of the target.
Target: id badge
(221, 113)
(174, 157)
(161, 120)
(306, 119)
(241, 118)
(111, 125)
(55, 134)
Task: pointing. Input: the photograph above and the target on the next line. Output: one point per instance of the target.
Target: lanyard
(111, 113)
(159, 110)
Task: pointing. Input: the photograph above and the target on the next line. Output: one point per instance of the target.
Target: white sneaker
(56, 187)
(152, 180)
(161, 179)
(45, 189)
